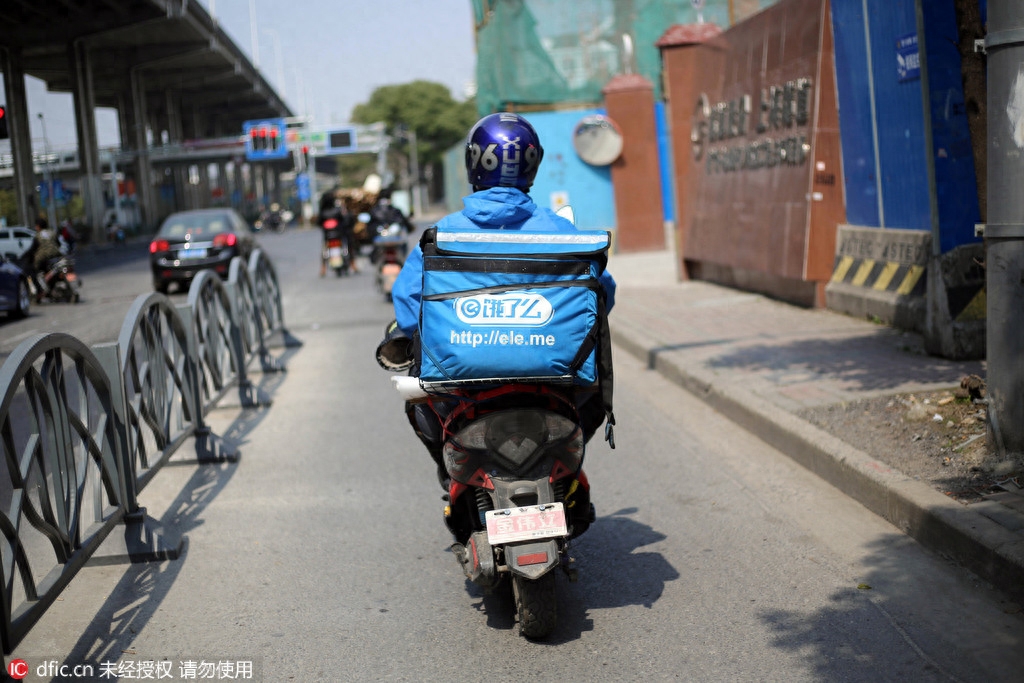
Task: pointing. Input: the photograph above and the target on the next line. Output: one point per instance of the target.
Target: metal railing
(83, 430)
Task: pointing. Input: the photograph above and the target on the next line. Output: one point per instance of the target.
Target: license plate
(192, 253)
(334, 252)
(526, 523)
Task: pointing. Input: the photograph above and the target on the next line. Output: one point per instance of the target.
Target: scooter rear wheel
(536, 605)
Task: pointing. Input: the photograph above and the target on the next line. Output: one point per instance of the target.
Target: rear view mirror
(566, 212)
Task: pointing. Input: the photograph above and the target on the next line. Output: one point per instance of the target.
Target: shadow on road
(144, 587)
(611, 574)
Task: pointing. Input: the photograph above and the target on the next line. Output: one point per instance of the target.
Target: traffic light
(3, 123)
(265, 139)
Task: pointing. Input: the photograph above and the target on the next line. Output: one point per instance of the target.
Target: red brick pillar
(636, 177)
(690, 66)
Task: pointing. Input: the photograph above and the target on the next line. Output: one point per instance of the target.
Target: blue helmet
(503, 150)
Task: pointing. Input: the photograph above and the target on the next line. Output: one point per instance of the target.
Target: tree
(424, 107)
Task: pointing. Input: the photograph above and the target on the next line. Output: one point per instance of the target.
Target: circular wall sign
(597, 140)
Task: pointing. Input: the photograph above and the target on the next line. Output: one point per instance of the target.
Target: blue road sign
(302, 187)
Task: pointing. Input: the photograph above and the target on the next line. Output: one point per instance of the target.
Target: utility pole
(1004, 232)
(51, 209)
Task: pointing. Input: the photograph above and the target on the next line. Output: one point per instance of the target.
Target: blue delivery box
(503, 306)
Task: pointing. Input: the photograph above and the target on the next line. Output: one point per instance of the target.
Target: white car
(15, 240)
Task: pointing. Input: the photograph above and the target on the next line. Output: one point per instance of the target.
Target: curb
(940, 524)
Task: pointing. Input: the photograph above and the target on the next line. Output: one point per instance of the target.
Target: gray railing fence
(83, 430)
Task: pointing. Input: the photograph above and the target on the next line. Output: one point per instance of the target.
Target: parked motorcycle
(273, 219)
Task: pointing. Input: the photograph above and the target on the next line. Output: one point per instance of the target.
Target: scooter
(274, 220)
(389, 251)
(336, 253)
(383, 219)
(514, 360)
(517, 494)
(59, 282)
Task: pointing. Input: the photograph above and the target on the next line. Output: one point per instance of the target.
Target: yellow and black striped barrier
(882, 276)
(883, 273)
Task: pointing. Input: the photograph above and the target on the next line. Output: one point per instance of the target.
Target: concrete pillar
(147, 198)
(21, 138)
(84, 99)
(639, 216)
(183, 186)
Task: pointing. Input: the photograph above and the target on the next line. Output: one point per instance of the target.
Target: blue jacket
(497, 208)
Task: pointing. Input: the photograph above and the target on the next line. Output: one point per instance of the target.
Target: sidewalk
(759, 361)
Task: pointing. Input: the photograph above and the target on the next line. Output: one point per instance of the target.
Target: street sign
(302, 187)
(265, 140)
(340, 141)
(349, 140)
(908, 58)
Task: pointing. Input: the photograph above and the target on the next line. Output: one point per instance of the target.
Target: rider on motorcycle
(34, 261)
(333, 207)
(500, 201)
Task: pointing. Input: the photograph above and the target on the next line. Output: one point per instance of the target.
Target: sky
(333, 54)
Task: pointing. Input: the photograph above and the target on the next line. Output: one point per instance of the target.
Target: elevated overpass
(167, 68)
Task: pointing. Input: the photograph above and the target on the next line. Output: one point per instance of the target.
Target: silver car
(15, 240)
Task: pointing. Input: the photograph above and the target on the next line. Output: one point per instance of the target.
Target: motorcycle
(274, 220)
(336, 249)
(517, 495)
(381, 221)
(388, 254)
(513, 423)
(58, 282)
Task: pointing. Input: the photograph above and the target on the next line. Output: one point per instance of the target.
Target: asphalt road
(321, 556)
(112, 277)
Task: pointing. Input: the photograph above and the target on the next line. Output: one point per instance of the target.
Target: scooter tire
(62, 292)
(536, 605)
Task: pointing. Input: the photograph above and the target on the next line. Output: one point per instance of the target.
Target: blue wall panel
(899, 117)
(955, 177)
(855, 113)
(589, 187)
(668, 196)
(899, 111)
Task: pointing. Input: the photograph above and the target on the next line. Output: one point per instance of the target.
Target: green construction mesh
(557, 52)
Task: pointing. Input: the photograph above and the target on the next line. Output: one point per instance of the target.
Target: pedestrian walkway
(759, 361)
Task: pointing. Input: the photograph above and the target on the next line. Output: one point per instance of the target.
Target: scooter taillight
(330, 224)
